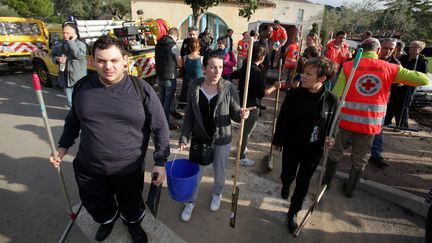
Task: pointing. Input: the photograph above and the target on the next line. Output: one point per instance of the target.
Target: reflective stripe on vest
(362, 119)
(366, 101)
(365, 107)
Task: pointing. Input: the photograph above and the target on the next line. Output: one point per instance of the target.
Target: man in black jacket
(115, 124)
(388, 46)
(193, 33)
(167, 57)
(229, 39)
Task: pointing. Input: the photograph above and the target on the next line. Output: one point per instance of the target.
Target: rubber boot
(292, 221)
(330, 172)
(350, 184)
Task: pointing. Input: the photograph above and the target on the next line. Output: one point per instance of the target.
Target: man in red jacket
(337, 51)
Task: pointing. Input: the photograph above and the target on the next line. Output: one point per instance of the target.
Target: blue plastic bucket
(182, 179)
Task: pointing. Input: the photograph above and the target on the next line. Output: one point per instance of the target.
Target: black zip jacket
(288, 121)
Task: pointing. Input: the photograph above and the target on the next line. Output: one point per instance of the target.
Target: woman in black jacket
(301, 130)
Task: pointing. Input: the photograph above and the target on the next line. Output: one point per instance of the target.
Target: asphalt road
(32, 207)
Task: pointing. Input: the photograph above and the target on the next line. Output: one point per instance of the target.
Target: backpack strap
(138, 88)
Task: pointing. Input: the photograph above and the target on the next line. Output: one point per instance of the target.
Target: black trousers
(183, 93)
(398, 105)
(306, 162)
(104, 195)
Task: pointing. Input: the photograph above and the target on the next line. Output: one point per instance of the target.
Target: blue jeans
(167, 91)
(68, 92)
(377, 146)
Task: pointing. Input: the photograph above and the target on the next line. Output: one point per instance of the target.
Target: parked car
(423, 95)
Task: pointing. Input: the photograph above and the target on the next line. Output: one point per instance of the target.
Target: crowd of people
(115, 113)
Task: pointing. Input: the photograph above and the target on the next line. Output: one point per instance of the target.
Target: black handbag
(201, 153)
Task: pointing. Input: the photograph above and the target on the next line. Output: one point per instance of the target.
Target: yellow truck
(140, 37)
(19, 37)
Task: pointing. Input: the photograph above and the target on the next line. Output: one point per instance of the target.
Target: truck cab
(141, 56)
(19, 37)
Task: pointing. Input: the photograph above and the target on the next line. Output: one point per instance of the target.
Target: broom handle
(245, 96)
(276, 108)
(336, 115)
(37, 87)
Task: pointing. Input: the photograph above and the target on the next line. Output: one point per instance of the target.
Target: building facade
(219, 18)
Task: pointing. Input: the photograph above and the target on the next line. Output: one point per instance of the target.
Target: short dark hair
(264, 27)
(230, 30)
(252, 33)
(222, 40)
(173, 31)
(276, 22)
(368, 33)
(192, 28)
(325, 66)
(212, 54)
(389, 39)
(258, 52)
(105, 42)
(340, 32)
(313, 51)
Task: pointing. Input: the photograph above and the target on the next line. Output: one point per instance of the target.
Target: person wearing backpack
(114, 114)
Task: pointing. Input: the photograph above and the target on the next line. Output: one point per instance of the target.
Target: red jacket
(242, 48)
(291, 57)
(337, 55)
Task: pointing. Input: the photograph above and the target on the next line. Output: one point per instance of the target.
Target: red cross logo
(368, 84)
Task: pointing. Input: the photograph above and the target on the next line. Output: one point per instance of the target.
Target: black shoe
(262, 107)
(284, 193)
(379, 161)
(105, 229)
(176, 115)
(292, 222)
(137, 233)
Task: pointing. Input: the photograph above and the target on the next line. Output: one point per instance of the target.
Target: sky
(335, 3)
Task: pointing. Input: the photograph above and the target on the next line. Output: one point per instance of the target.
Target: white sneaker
(246, 162)
(215, 203)
(187, 211)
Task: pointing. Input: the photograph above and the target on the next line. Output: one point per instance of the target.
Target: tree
(7, 12)
(411, 18)
(314, 29)
(118, 9)
(32, 8)
(357, 17)
(199, 7)
(81, 9)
